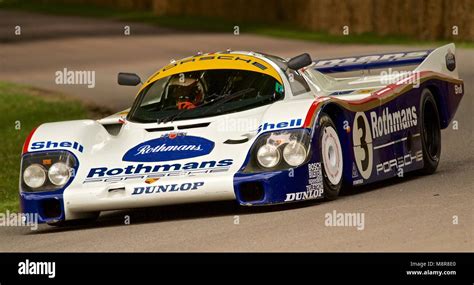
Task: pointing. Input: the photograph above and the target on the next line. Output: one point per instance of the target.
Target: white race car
(248, 127)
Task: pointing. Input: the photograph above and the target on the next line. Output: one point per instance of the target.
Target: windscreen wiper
(219, 101)
(170, 118)
(226, 98)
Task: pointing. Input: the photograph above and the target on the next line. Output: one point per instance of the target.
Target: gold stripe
(395, 93)
(400, 90)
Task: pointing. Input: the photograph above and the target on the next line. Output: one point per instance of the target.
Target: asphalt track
(414, 213)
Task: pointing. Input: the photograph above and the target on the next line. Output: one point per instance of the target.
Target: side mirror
(128, 79)
(300, 61)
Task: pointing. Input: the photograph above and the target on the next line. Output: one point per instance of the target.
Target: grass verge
(205, 24)
(23, 108)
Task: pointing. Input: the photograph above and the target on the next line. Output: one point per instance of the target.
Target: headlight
(279, 150)
(34, 175)
(268, 156)
(294, 153)
(47, 170)
(59, 173)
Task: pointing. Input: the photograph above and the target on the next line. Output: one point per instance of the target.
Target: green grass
(31, 107)
(205, 24)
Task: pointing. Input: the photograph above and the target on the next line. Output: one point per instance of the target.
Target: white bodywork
(102, 149)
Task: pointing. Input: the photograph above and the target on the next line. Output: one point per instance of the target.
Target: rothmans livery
(390, 122)
(249, 127)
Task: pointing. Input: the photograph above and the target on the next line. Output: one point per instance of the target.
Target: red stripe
(393, 87)
(310, 114)
(27, 141)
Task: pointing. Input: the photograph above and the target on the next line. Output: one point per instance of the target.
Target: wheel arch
(340, 117)
(435, 89)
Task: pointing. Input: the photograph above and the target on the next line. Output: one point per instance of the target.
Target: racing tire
(430, 132)
(331, 158)
(77, 222)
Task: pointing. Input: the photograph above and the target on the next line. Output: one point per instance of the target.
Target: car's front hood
(206, 146)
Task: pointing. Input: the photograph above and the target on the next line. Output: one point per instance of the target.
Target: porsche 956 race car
(246, 126)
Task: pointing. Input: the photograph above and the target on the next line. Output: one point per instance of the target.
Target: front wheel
(331, 157)
(430, 132)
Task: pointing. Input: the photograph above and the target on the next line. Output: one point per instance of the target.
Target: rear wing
(440, 60)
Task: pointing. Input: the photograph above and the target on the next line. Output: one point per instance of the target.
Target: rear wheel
(331, 157)
(430, 132)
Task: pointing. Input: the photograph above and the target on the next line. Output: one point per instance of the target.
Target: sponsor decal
(358, 182)
(281, 125)
(450, 61)
(142, 169)
(167, 188)
(151, 180)
(203, 61)
(380, 125)
(315, 187)
(173, 135)
(209, 57)
(306, 195)
(355, 173)
(169, 147)
(144, 172)
(399, 162)
(390, 122)
(345, 92)
(56, 145)
(393, 57)
(458, 89)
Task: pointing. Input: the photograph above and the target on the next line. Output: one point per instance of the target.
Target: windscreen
(204, 93)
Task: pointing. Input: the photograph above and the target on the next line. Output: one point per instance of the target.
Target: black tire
(430, 132)
(78, 222)
(331, 189)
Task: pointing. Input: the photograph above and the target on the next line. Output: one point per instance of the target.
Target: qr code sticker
(317, 180)
(314, 187)
(314, 170)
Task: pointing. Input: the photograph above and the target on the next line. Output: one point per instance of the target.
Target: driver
(187, 91)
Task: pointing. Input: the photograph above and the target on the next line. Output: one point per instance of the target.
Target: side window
(155, 92)
(298, 84)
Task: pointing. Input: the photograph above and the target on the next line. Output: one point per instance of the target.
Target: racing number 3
(362, 141)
